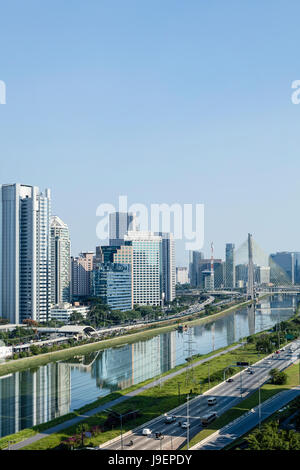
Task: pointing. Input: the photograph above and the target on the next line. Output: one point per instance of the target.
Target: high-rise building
(207, 281)
(122, 254)
(112, 282)
(195, 259)
(218, 273)
(229, 266)
(182, 276)
(98, 258)
(216, 279)
(82, 267)
(60, 261)
(119, 224)
(262, 274)
(147, 267)
(297, 267)
(25, 253)
(241, 274)
(282, 266)
(168, 265)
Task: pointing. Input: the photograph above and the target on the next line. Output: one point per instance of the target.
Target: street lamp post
(241, 384)
(121, 416)
(179, 383)
(188, 422)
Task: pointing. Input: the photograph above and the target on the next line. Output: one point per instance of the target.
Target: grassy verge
(267, 391)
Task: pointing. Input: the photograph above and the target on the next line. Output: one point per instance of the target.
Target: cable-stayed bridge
(253, 270)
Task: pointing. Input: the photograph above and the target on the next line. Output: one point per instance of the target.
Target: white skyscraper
(147, 267)
(25, 253)
(60, 261)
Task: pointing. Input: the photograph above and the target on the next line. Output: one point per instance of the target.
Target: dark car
(229, 380)
(170, 419)
(158, 435)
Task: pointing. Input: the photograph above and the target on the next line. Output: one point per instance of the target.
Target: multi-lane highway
(227, 394)
(228, 434)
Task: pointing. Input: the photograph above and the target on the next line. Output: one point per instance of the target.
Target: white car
(185, 425)
(147, 432)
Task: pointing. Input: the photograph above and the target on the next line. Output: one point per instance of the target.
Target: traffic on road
(178, 426)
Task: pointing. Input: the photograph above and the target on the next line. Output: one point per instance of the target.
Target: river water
(38, 395)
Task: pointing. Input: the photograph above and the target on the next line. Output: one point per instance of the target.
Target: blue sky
(163, 101)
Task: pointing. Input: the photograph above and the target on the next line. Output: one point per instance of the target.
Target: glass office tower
(112, 283)
(230, 266)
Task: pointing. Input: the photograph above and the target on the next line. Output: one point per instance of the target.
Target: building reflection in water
(119, 368)
(34, 396)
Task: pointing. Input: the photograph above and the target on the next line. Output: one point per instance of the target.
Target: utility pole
(190, 351)
(278, 330)
(259, 408)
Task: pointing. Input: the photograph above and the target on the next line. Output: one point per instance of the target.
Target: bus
(206, 419)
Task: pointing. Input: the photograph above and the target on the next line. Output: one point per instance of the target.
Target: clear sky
(163, 101)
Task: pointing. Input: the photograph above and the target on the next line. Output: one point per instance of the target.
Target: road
(227, 395)
(245, 423)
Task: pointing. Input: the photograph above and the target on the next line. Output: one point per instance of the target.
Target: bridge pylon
(250, 286)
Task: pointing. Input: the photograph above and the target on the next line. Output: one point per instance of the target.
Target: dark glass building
(230, 266)
(112, 282)
(282, 266)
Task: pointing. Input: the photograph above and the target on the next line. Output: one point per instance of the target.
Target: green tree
(278, 377)
(263, 344)
(76, 317)
(35, 350)
(269, 437)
